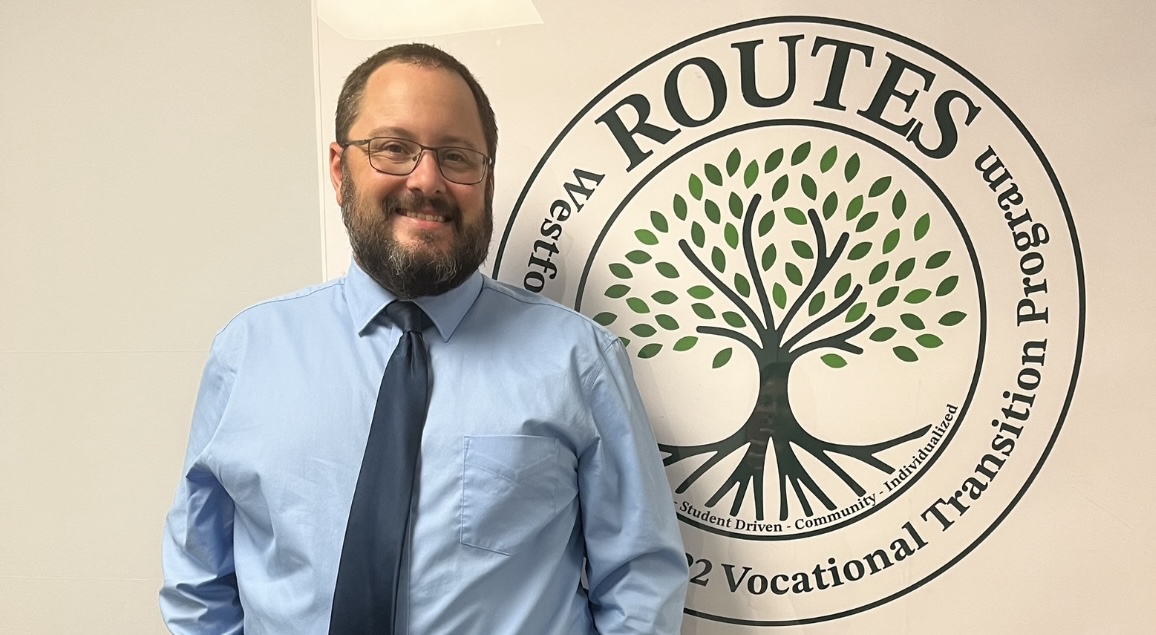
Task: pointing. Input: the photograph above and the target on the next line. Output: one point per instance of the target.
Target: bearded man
(416, 448)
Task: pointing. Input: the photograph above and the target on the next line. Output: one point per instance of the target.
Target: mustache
(413, 201)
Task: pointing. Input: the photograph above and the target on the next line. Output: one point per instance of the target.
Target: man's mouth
(426, 216)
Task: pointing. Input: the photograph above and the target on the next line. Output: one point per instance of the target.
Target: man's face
(418, 234)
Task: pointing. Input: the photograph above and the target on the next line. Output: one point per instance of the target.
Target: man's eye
(454, 157)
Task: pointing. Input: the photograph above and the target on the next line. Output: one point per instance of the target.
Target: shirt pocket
(508, 490)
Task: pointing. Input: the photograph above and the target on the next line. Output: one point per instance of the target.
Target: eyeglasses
(399, 157)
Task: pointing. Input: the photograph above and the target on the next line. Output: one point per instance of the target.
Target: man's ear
(336, 154)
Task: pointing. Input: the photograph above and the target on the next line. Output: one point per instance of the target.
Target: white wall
(158, 173)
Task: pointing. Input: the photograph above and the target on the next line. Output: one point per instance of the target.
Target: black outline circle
(1078, 350)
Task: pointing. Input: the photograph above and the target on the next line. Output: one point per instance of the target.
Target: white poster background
(1073, 556)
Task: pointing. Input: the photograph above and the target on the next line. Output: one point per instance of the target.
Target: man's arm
(636, 565)
(200, 588)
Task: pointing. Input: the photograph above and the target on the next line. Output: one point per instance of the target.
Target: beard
(421, 269)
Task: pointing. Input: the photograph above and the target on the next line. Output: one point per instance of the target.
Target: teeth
(428, 217)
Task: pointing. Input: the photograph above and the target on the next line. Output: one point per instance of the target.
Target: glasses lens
(462, 165)
(392, 156)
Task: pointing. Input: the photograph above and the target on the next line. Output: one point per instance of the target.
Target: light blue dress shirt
(537, 464)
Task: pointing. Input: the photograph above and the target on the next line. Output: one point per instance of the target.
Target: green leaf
(734, 159)
(659, 221)
(638, 305)
(646, 237)
(742, 286)
(793, 274)
(734, 319)
(621, 271)
(721, 358)
(685, 343)
(605, 318)
(766, 223)
(697, 235)
(718, 259)
(643, 330)
(751, 174)
(712, 211)
(617, 291)
(879, 186)
(916, 296)
(830, 205)
(800, 153)
(694, 184)
(922, 225)
(700, 292)
(731, 235)
(679, 207)
(843, 285)
(854, 207)
(773, 161)
(666, 269)
(938, 259)
(779, 295)
(736, 205)
(882, 334)
(638, 257)
(878, 272)
(769, 255)
(712, 174)
(905, 354)
(625, 341)
(927, 340)
(650, 350)
(904, 269)
(851, 168)
(856, 311)
(912, 321)
(816, 303)
(809, 187)
(779, 188)
(702, 310)
(828, 160)
(867, 222)
(834, 360)
(951, 318)
(860, 251)
(667, 322)
(803, 249)
(795, 215)
(887, 297)
(898, 204)
(664, 297)
(891, 241)
(947, 286)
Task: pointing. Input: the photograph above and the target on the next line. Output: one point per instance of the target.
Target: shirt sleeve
(636, 565)
(200, 592)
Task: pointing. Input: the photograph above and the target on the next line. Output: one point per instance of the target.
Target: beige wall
(158, 172)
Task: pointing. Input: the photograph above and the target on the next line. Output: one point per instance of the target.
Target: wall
(158, 172)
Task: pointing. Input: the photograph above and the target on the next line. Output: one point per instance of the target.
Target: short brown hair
(349, 102)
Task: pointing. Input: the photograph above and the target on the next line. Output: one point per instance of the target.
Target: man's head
(425, 232)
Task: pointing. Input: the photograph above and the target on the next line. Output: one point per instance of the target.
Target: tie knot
(407, 316)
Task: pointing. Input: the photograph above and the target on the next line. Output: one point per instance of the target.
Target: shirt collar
(366, 299)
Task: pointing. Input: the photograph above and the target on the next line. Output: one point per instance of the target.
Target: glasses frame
(364, 145)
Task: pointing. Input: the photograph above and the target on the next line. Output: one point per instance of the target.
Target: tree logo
(851, 289)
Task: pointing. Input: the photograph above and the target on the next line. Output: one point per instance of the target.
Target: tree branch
(722, 288)
(813, 325)
(752, 262)
(837, 341)
(823, 264)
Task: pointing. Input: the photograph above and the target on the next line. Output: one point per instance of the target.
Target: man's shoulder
(534, 312)
(309, 302)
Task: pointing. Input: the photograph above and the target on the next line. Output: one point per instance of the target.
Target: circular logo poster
(851, 290)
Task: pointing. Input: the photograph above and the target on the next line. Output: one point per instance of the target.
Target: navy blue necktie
(368, 576)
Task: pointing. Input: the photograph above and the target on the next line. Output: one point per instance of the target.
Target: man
(536, 504)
